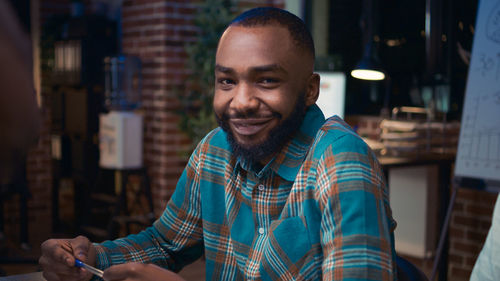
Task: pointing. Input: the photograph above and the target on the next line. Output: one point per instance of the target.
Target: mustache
(248, 115)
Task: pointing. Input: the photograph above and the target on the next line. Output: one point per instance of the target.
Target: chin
(249, 144)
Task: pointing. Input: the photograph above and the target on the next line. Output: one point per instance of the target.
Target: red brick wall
(156, 31)
(471, 219)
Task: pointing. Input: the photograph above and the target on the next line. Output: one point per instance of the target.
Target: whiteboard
(331, 98)
(478, 153)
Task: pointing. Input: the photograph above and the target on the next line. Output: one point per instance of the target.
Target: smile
(248, 127)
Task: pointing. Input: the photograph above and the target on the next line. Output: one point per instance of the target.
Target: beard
(276, 138)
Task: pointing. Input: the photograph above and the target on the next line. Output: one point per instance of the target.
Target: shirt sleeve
(174, 240)
(356, 225)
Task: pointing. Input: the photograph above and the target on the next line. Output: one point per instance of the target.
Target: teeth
(252, 124)
(248, 128)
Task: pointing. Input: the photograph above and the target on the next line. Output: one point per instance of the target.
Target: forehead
(260, 45)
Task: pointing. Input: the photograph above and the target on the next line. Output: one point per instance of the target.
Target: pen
(79, 263)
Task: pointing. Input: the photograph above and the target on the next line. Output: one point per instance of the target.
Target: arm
(174, 240)
(356, 226)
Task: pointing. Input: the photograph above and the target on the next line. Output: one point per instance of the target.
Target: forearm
(148, 246)
(142, 247)
(174, 240)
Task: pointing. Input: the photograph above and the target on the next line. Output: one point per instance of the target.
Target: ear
(312, 89)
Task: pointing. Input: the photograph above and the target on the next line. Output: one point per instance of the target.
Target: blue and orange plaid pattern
(318, 211)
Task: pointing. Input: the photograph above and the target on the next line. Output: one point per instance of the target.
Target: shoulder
(338, 137)
(216, 137)
(213, 144)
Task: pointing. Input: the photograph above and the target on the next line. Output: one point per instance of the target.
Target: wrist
(100, 257)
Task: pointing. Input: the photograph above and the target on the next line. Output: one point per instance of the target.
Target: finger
(58, 268)
(56, 251)
(80, 246)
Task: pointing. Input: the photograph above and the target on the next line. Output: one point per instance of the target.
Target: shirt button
(261, 230)
(261, 187)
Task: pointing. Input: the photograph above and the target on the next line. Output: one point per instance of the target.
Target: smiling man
(275, 193)
(264, 83)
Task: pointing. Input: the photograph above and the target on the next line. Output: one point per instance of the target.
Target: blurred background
(125, 89)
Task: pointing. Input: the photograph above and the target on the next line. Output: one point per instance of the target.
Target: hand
(58, 258)
(139, 271)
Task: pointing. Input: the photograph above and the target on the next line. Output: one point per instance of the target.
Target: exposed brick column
(156, 31)
(471, 220)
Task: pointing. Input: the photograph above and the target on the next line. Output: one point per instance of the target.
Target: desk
(35, 276)
(444, 163)
(424, 159)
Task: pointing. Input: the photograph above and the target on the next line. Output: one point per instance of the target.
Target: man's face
(262, 79)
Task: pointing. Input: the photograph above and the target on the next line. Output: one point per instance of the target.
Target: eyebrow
(260, 68)
(223, 69)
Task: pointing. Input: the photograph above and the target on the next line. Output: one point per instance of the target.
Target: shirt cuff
(101, 260)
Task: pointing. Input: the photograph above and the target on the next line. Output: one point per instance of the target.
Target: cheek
(220, 103)
(284, 103)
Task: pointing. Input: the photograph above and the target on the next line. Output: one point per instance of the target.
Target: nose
(244, 99)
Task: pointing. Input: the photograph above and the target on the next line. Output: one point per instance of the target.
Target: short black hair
(269, 15)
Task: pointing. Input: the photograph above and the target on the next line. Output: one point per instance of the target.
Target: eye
(269, 82)
(225, 83)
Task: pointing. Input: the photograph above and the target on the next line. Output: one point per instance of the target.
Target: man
(275, 193)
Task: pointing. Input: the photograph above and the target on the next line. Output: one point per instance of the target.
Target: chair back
(408, 271)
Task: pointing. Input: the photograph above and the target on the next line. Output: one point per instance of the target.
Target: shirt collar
(288, 161)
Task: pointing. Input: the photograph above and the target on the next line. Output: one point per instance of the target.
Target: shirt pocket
(287, 251)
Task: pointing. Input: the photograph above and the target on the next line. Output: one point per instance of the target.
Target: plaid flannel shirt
(318, 211)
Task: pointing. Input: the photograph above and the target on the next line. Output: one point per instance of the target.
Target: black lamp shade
(368, 69)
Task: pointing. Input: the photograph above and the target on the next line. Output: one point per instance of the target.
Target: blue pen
(79, 263)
